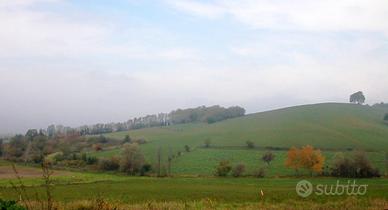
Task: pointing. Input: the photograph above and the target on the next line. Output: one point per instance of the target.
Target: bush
(187, 148)
(111, 164)
(145, 169)
(132, 159)
(10, 205)
(250, 144)
(259, 173)
(238, 170)
(223, 168)
(268, 157)
(358, 166)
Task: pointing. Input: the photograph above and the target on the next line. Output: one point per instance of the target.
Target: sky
(75, 62)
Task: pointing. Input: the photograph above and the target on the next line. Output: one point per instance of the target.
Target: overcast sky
(78, 62)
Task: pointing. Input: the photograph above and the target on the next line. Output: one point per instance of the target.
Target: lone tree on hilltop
(357, 97)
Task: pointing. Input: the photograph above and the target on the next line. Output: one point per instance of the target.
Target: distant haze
(83, 62)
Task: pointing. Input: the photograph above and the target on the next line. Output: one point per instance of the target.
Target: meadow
(330, 127)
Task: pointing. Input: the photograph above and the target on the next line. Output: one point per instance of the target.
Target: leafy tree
(132, 159)
(238, 170)
(357, 97)
(31, 133)
(127, 139)
(268, 157)
(293, 159)
(223, 168)
(187, 148)
(207, 143)
(250, 144)
(311, 159)
(386, 117)
(306, 157)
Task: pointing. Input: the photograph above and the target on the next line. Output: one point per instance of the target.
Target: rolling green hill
(329, 126)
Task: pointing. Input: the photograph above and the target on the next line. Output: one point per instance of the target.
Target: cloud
(27, 31)
(322, 15)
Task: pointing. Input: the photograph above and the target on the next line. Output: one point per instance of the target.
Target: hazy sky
(77, 62)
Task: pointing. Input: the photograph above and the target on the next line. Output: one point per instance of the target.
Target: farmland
(331, 127)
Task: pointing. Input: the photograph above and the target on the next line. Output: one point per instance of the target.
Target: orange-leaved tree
(312, 159)
(293, 159)
(307, 157)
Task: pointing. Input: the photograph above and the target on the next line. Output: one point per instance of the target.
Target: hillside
(330, 127)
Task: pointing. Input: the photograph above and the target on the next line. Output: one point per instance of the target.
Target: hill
(326, 126)
(331, 127)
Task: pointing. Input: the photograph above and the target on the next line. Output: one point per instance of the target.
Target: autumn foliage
(306, 157)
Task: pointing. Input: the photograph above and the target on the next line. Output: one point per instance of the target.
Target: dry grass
(101, 204)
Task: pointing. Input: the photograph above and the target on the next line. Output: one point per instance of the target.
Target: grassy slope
(329, 126)
(336, 126)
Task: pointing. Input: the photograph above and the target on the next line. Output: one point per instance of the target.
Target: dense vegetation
(210, 114)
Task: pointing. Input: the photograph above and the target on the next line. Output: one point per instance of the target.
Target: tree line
(205, 114)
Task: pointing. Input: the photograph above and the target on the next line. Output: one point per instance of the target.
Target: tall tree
(357, 97)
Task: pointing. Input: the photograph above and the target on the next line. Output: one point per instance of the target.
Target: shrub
(10, 205)
(268, 157)
(238, 170)
(132, 159)
(127, 139)
(250, 144)
(187, 148)
(259, 173)
(223, 168)
(358, 166)
(111, 164)
(145, 169)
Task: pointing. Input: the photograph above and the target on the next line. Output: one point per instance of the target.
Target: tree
(127, 139)
(250, 144)
(207, 143)
(268, 157)
(187, 148)
(132, 159)
(357, 97)
(356, 166)
(238, 170)
(311, 159)
(386, 117)
(293, 159)
(223, 168)
(31, 133)
(306, 157)
(159, 163)
(1, 147)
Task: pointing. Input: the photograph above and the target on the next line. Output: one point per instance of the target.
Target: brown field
(7, 172)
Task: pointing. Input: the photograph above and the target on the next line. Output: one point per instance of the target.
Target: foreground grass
(223, 190)
(207, 204)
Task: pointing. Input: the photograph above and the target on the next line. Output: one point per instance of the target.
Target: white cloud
(331, 15)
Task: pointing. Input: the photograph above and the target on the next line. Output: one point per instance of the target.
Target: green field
(330, 127)
(225, 190)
